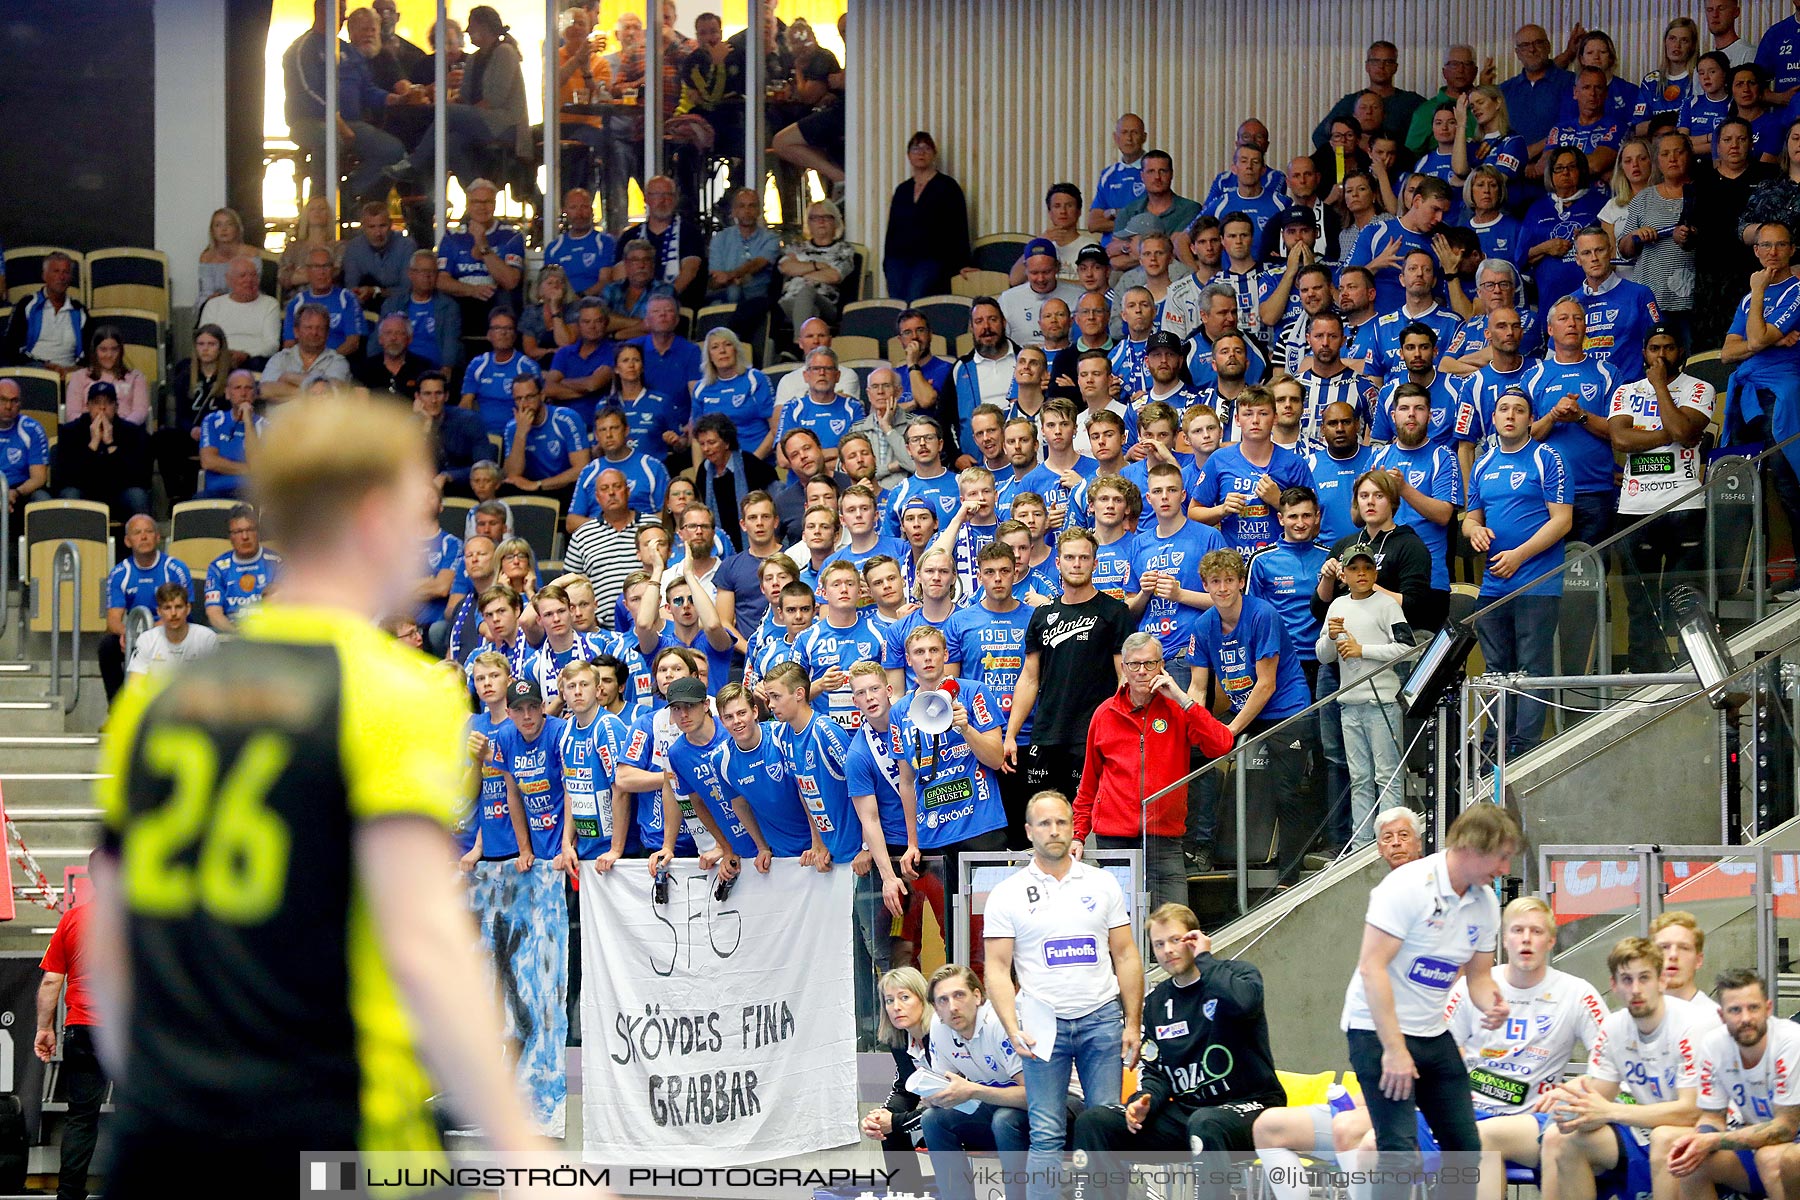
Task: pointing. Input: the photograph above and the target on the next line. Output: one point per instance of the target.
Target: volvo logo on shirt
(1078, 951)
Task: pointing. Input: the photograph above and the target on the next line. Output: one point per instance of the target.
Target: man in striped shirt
(1329, 380)
(605, 548)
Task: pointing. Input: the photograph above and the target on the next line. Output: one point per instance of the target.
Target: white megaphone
(931, 710)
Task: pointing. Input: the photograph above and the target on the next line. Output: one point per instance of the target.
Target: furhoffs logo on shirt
(1433, 972)
(1078, 952)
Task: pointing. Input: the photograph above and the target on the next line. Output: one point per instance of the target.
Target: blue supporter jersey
(441, 550)
(958, 795)
(237, 585)
(1138, 474)
(940, 490)
(457, 258)
(624, 646)
(571, 363)
(1475, 421)
(548, 444)
(340, 304)
(1510, 489)
(1047, 482)
(422, 316)
(1440, 429)
(582, 257)
(1227, 471)
(1128, 365)
(1286, 574)
(760, 778)
(1118, 185)
(1548, 218)
(816, 757)
(695, 777)
(1359, 343)
(130, 586)
(1587, 460)
(1502, 237)
(829, 422)
(1661, 95)
(1203, 373)
(893, 641)
(490, 381)
(1112, 563)
(1179, 554)
(825, 647)
(746, 398)
(1334, 483)
(647, 479)
(1042, 578)
(1471, 336)
(1438, 165)
(1261, 209)
(537, 771)
(493, 818)
(1778, 53)
(1700, 116)
(589, 759)
(650, 416)
(718, 662)
(641, 751)
(766, 652)
(671, 374)
(1273, 182)
(1506, 153)
(1370, 243)
(1390, 325)
(222, 432)
(1606, 133)
(23, 447)
(1232, 658)
(1435, 472)
(1778, 367)
(870, 770)
(1619, 317)
(989, 648)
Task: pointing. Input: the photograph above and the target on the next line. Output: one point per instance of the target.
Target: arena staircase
(48, 764)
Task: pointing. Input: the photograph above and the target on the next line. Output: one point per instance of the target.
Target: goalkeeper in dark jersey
(1206, 1071)
(287, 964)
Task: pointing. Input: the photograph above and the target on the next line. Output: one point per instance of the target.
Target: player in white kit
(1683, 944)
(1748, 1076)
(1641, 1075)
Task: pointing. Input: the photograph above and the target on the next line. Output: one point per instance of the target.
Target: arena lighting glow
(1705, 649)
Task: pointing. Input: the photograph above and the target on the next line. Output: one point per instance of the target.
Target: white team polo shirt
(1751, 1094)
(987, 1058)
(1439, 931)
(1650, 1068)
(1060, 930)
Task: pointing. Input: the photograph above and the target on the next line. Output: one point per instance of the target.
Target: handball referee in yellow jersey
(291, 966)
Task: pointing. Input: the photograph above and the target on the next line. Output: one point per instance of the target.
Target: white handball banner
(716, 1033)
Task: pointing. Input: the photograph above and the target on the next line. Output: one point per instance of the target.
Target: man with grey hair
(1139, 742)
(1497, 286)
(811, 335)
(343, 310)
(435, 319)
(1219, 316)
(308, 358)
(1399, 835)
(393, 367)
(250, 319)
(820, 409)
(1458, 73)
(47, 329)
(375, 262)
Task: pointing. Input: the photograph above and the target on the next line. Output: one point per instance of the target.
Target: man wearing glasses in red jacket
(1140, 741)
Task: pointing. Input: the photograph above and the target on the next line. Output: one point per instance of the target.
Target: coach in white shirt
(1429, 923)
(1063, 926)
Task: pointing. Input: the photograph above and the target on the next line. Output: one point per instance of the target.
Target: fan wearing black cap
(102, 458)
(1657, 423)
(1020, 305)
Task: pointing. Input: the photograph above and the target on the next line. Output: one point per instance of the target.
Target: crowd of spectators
(1206, 460)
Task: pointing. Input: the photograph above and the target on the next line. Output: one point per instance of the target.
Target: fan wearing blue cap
(1021, 305)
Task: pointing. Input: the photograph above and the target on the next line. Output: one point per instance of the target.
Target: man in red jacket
(1139, 742)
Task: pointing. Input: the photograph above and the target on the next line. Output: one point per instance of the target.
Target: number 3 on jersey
(241, 873)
